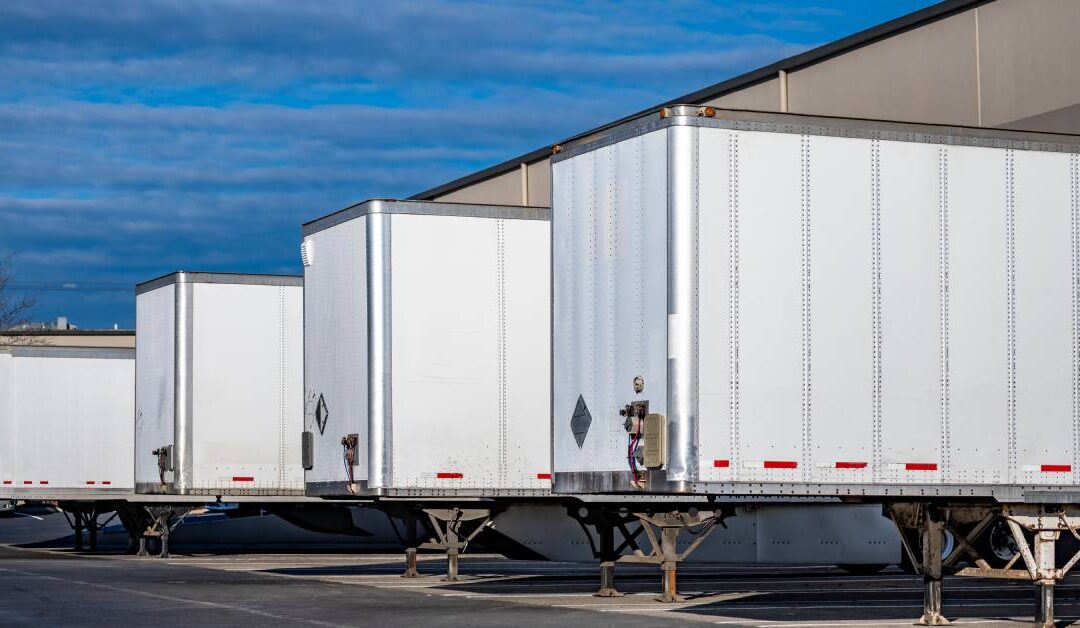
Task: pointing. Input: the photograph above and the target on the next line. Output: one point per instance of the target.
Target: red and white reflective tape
(847, 464)
(780, 464)
(1056, 468)
(91, 482)
(1048, 468)
(27, 481)
(43, 482)
(920, 466)
(243, 478)
(106, 482)
(7, 481)
(446, 475)
(721, 464)
(543, 476)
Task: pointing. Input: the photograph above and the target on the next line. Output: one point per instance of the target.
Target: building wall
(761, 97)
(1008, 63)
(924, 75)
(1028, 53)
(503, 189)
(80, 339)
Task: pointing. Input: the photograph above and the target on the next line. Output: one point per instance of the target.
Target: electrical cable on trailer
(348, 454)
(635, 413)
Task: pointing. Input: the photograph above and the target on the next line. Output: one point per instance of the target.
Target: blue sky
(137, 138)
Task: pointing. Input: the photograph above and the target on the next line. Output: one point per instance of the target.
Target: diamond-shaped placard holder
(581, 421)
(322, 414)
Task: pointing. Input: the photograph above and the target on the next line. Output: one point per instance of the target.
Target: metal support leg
(78, 516)
(92, 528)
(1045, 562)
(164, 536)
(447, 525)
(410, 564)
(411, 544)
(142, 547)
(452, 553)
(1044, 608)
(670, 551)
(932, 540)
(607, 561)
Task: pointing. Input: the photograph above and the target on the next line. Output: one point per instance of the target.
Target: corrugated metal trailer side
(427, 360)
(818, 306)
(66, 422)
(219, 403)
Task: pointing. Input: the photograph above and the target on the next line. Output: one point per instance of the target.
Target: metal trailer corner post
(854, 308)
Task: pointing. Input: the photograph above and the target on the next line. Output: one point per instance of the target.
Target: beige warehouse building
(986, 63)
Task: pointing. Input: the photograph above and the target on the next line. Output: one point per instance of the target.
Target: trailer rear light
(7, 481)
(449, 476)
(43, 481)
(243, 478)
(107, 482)
(27, 481)
(543, 476)
(851, 465)
(780, 464)
(721, 464)
(91, 482)
(921, 466)
(1056, 468)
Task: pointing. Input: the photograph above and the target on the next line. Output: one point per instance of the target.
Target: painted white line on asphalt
(171, 598)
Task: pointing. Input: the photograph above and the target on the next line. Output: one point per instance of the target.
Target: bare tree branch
(15, 309)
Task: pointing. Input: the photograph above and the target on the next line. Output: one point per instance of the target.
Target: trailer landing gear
(662, 531)
(159, 527)
(1043, 524)
(84, 517)
(453, 529)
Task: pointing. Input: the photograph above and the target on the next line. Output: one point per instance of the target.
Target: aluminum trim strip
(431, 208)
(182, 419)
(827, 126)
(249, 279)
(682, 306)
(380, 345)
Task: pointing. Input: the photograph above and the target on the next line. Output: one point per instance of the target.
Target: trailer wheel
(946, 548)
(998, 546)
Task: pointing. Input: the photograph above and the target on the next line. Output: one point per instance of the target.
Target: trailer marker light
(543, 476)
(243, 478)
(721, 464)
(851, 465)
(1056, 468)
(780, 464)
(449, 476)
(921, 466)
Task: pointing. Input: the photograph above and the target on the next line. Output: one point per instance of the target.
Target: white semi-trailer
(753, 303)
(426, 351)
(218, 395)
(65, 422)
(427, 360)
